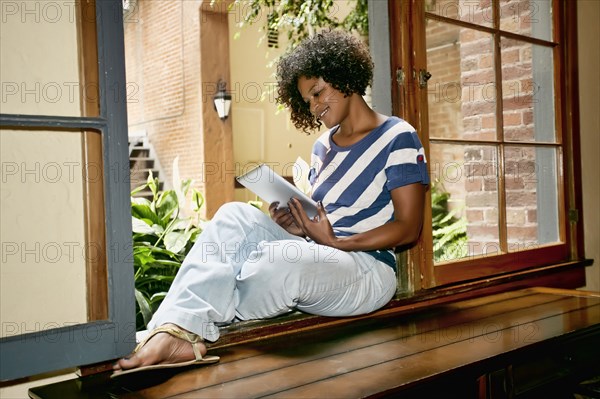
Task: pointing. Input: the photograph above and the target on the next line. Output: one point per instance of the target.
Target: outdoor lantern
(222, 100)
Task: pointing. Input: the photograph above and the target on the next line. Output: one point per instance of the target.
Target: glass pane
(42, 71)
(531, 197)
(464, 201)
(461, 92)
(475, 12)
(46, 245)
(527, 17)
(528, 92)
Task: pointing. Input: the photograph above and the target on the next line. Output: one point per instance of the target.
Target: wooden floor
(375, 356)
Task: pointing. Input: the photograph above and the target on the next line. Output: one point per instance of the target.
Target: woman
(369, 177)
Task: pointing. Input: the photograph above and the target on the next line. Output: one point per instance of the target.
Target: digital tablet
(271, 187)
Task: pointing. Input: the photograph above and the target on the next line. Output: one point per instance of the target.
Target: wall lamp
(222, 100)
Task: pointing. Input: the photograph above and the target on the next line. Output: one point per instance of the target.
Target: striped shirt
(354, 182)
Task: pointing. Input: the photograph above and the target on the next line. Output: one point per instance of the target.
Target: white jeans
(245, 266)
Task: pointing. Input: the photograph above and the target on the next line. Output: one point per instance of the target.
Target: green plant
(301, 18)
(161, 240)
(449, 232)
(358, 18)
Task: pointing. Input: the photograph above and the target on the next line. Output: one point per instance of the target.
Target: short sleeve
(319, 151)
(406, 163)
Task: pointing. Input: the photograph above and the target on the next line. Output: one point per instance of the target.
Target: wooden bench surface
(374, 356)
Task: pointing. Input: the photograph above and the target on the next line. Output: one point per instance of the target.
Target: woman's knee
(238, 210)
(280, 257)
(231, 208)
(262, 266)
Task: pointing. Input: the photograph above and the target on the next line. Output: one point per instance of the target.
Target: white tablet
(271, 187)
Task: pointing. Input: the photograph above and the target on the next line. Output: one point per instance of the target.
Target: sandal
(177, 332)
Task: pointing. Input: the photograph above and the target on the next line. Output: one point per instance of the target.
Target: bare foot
(162, 348)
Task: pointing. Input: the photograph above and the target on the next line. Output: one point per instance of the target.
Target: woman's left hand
(318, 228)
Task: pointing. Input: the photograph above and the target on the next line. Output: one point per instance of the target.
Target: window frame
(113, 336)
(410, 101)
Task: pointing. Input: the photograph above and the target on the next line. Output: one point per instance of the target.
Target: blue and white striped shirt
(354, 182)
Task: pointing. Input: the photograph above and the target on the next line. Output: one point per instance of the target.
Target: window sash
(410, 102)
(102, 340)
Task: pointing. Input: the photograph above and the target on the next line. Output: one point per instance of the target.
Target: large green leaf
(166, 205)
(185, 186)
(182, 224)
(140, 201)
(152, 183)
(158, 297)
(144, 239)
(140, 226)
(162, 253)
(180, 187)
(142, 256)
(158, 229)
(144, 212)
(176, 241)
(144, 306)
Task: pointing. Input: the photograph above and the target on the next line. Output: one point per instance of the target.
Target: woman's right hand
(284, 218)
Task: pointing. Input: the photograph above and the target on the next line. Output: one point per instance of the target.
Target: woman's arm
(409, 204)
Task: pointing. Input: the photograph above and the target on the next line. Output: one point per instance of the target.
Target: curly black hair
(334, 55)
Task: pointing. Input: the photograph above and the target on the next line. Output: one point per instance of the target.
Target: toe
(128, 362)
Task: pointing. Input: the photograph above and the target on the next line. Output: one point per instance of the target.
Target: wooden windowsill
(568, 275)
(446, 350)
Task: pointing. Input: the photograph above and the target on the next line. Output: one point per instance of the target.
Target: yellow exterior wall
(39, 59)
(42, 267)
(260, 132)
(588, 15)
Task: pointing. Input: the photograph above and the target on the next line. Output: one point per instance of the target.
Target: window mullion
(410, 103)
(423, 264)
(570, 127)
(52, 122)
(502, 228)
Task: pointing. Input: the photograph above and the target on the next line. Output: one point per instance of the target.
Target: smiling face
(326, 103)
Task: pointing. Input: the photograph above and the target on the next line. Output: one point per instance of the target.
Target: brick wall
(163, 80)
(462, 104)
